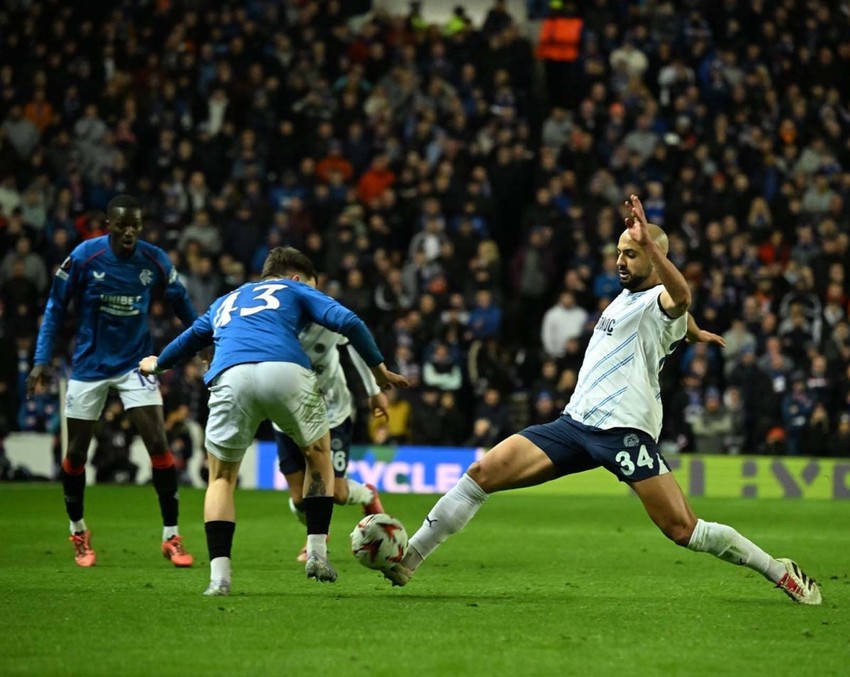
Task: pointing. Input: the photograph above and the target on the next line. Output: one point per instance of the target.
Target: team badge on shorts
(631, 440)
(146, 277)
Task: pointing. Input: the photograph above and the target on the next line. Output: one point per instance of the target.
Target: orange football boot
(173, 549)
(84, 556)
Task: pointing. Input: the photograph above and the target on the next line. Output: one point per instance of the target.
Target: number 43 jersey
(618, 381)
(261, 321)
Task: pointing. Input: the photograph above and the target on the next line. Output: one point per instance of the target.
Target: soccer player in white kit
(322, 348)
(613, 420)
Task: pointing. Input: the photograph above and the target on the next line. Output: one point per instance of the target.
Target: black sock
(319, 510)
(165, 483)
(74, 486)
(219, 538)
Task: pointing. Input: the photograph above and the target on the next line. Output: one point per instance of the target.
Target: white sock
(220, 569)
(358, 494)
(299, 512)
(168, 532)
(77, 527)
(317, 545)
(724, 542)
(450, 514)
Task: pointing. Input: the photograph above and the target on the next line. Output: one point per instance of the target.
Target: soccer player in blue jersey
(260, 371)
(613, 420)
(322, 347)
(111, 279)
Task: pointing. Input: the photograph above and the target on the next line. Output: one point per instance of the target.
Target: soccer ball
(379, 541)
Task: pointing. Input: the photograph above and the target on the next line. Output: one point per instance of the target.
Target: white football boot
(797, 585)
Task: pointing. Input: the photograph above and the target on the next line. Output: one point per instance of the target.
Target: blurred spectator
(396, 430)
(441, 371)
(203, 283)
(561, 323)
(485, 318)
(797, 406)
(839, 441)
(483, 434)
(711, 426)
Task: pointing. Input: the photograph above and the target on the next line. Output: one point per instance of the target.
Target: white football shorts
(244, 395)
(84, 400)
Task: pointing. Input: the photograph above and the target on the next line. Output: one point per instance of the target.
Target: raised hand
(636, 222)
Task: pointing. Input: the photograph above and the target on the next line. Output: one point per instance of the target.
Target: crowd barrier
(433, 470)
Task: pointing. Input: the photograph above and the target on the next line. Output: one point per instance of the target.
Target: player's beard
(633, 281)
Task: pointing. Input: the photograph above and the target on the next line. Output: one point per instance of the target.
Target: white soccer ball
(379, 541)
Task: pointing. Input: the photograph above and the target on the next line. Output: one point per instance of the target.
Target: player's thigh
(150, 423)
(84, 400)
(537, 454)
(80, 432)
(289, 395)
(630, 454)
(666, 505)
(234, 413)
(513, 463)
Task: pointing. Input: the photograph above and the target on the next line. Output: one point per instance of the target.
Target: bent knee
(483, 475)
(315, 450)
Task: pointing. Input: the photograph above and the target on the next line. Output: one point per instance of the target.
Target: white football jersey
(618, 380)
(322, 347)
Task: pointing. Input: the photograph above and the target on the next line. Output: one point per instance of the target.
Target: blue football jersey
(112, 296)
(260, 322)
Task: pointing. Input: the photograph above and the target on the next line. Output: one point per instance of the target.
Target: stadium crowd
(461, 188)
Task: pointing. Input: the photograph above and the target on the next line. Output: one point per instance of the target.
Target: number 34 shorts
(630, 454)
(244, 395)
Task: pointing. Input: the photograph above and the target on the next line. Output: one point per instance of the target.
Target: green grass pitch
(539, 584)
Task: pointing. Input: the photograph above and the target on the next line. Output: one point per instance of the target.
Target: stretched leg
(151, 426)
(220, 521)
(516, 462)
(318, 492)
(664, 501)
(73, 475)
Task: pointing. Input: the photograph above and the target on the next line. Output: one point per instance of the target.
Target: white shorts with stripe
(244, 395)
(84, 400)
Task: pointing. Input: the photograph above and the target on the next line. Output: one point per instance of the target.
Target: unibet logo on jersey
(119, 305)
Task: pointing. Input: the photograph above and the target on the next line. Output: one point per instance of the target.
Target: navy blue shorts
(631, 454)
(290, 459)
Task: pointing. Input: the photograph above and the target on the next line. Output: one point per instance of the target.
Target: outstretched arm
(697, 335)
(330, 314)
(676, 297)
(377, 400)
(194, 339)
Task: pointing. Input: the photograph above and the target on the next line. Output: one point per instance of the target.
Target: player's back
(261, 322)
